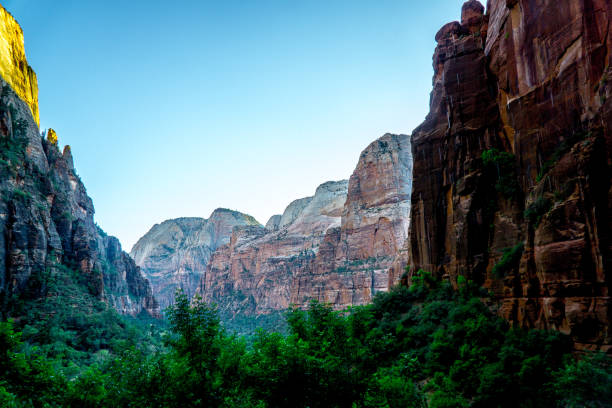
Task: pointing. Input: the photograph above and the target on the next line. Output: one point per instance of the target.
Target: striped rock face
(531, 80)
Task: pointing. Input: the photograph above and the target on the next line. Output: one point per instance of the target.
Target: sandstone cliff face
(336, 247)
(46, 220)
(174, 254)
(355, 259)
(531, 219)
(14, 67)
(254, 273)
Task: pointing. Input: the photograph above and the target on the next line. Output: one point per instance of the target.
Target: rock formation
(512, 164)
(46, 217)
(255, 272)
(336, 247)
(355, 259)
(174, 254)
(14, 67)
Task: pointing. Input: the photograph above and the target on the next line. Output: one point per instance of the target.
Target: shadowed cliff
(512, 164)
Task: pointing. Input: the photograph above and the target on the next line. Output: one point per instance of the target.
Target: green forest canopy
(424, 346)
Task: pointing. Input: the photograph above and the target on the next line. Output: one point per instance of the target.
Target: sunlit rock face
(531, 79)
(46, 220)
(293, 210)
(337, 246)
(174, 254)
(14, 66)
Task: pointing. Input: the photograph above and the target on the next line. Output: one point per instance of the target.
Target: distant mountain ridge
(174, 254)
(339, 246)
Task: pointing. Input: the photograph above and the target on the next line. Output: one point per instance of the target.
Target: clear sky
(176, 108)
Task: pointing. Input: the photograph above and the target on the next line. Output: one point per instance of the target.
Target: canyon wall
(46, 220)
(46, 217)
(512, 164)
(336, 247)
(174, 254)
(355, 259)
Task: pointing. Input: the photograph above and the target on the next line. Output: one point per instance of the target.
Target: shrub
(509, 260)
(585, 383)
(12, 150)
(21, 195)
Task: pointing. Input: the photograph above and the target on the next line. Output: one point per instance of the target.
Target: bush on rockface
(565, 146)
(501, 168)
(509, 261)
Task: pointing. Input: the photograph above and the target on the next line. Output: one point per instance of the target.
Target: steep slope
(174, 254)
(512, 164)
(274, 222)
(337, 246)
(46, 217)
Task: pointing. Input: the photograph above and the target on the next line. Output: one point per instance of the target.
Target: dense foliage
(59, 315)
(424, 346)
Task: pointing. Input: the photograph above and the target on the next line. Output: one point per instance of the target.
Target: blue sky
(176, 108)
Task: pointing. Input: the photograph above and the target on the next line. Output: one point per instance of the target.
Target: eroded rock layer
(336, 247)
(174, 254)
(512, 164)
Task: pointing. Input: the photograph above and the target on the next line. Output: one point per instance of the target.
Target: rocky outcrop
(512, 164)
(174, 254)
(336, 247)
(46, 216)
(14, 67)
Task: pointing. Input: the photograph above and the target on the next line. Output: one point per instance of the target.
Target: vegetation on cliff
(59, 315)
(424, 346)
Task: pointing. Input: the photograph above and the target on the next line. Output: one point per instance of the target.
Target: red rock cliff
(512, 164)
(336, 247)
